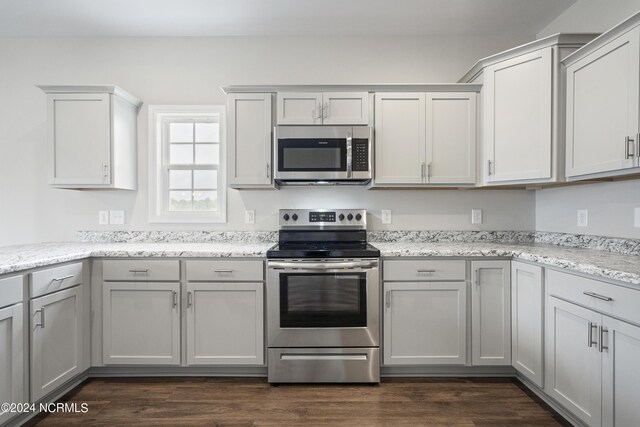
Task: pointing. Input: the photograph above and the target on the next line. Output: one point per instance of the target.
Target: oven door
(323, 303)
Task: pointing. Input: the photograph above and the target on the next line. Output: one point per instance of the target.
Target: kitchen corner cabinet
(249, 131)
(527, 332)
(491, 313)
(92, 134)
(12, 350)
(425, 138)
(323, 108)
(603, 97)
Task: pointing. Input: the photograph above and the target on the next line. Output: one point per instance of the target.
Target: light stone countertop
(607, 265)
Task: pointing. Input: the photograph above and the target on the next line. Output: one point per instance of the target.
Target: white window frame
(158, 180)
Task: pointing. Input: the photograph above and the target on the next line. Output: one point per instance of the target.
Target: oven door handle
(328, 265)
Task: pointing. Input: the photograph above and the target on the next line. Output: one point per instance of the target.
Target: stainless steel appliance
(323, 155)
(323, 299)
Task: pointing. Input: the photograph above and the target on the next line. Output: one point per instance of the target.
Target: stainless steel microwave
(323, 155)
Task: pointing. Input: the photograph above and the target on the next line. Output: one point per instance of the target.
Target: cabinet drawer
(144, 270)
(419, 270)
(55, 279)
(225, 270)
(10, 290)
(605, 297)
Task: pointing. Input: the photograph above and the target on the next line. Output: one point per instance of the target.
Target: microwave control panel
(360, 147)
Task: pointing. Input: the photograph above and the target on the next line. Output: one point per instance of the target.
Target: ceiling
(276, 17)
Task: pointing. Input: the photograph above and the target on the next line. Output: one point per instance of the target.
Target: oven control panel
(323, 218)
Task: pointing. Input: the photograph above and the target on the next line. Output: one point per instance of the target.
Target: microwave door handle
(349, 154)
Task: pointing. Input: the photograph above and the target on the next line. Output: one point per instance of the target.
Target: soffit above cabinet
(374, 87)
(564, 40)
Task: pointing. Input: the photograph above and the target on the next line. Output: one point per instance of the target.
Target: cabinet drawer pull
(628, 141)
(175, 299)
(489, 167)
(223, 271)
(268, 170)
(189, 299)
(41, 324)
(387, 299)
(142, 271)
(60, 279)
(590, 341)
(598, 296)
(425, 271)
(601, 346)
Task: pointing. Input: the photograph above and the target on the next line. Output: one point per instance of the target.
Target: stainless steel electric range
(323, 299)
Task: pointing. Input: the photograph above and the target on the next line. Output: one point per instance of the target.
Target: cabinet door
(80, 138)
(11, 358)
(225, 324)
(345, 108)
(141, 323)
(425, 323)
(56, 340)
(400, 138)
(518, 109)
(527, 297)
(491, 313)
(249, 130)
(620, 373)
(572, 360)
(602, 108)
(299, 108)
(451, 138)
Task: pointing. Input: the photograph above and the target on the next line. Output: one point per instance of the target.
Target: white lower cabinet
(425, 323)
(491, 313)
(527, 301)
(57, 344)
(225, 324)
(11, 358)
(141, 323)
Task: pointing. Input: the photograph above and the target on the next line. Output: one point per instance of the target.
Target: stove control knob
(341, 217)
(285, 217)
(349, 217)
(358, 217)
(294, 217)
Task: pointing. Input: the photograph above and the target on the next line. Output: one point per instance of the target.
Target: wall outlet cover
(386, 216)
(583, 218)
(476, 216)
(116, 217)
(103, 217)
(250, 217)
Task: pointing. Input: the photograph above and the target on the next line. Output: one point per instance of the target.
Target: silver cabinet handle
(268, 170)
(105, 171)
(319, 108)
(477, 281)
(60, 279)
(175, 299)
(428, 170)
(424, 271)
(387, 299)
(223, 271)
(142, 271)
(41, 324)
(601, 346)
(189, 299)
(325, 110)
(628, 141)
(590, 341)
(422, 171)
(598, 296)
(489, 167)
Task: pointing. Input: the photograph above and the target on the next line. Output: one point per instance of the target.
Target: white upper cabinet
(249, 131)
(523, 111)
(425, 138)
(317, 108)
(92, 134)
(602, 114)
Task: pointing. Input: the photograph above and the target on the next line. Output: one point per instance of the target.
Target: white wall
(610, 205)
(189, 71)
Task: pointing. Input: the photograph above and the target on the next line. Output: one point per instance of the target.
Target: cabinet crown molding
(373, 87)
(113, 89)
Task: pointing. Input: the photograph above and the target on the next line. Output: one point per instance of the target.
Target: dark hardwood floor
(253, 402)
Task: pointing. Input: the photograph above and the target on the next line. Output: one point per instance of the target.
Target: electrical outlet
(583, 218)
(250, 217)
(386, 216)
(636, 217)
(476, 216)
(116, 217)
(103, 217)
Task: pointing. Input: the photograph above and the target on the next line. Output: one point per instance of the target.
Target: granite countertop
(608, 265)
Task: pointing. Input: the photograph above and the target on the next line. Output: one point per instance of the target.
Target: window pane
(205, 200)
(181, 154)
(207, 132)
(205, 180)
(180, 132)
(207, 154)
(180, 180)
(180, 201)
